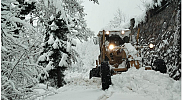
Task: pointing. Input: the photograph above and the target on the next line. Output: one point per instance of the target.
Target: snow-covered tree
(55, 56)
(64, 23)
(95, 1)
(23, 25)
(20, 46)
(119, 19)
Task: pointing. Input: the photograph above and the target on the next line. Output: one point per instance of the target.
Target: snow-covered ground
(135, 84)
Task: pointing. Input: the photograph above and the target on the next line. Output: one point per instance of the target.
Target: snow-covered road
(94, 94)
(78, 93)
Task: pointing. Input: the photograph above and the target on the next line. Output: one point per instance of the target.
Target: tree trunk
(59, 79)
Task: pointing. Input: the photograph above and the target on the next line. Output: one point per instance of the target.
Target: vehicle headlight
(122, 32)
(111, 46)
(151, 46)
(107, 32)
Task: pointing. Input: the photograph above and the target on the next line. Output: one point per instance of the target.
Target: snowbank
(147, 82)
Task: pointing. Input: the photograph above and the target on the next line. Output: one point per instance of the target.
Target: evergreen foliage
(57, 47)
(63, 25)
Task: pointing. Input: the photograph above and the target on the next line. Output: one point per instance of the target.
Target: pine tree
(63, 25)
(55, 50)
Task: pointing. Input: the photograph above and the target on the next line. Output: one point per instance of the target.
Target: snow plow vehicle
(117, 54)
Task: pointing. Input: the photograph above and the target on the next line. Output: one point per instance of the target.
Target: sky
(98, 16)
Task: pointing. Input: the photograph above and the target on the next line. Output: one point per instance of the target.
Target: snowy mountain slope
(135, 84)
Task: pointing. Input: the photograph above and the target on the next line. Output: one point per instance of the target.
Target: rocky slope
(162, 27)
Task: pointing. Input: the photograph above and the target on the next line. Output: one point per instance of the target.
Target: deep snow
(135, 84)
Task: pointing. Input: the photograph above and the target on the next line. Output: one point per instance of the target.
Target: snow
(51, 39)
(49, 66)
(63, 60)
(133, 84)
(53, 26)
(122, 65)
(76, 93)
(73, 42)
(3, 48)
(68, 48)
(41, 90)
(128, 96)
(130, 50)
(165, 42)
(42, 57)
(28, 25)
(147, 82)
(51, 18)
(55, 45)
(30, 1)
(137, 84)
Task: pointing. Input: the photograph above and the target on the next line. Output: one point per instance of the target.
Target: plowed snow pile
(147, 82)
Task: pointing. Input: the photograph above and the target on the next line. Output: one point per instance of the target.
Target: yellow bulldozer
(117, 54)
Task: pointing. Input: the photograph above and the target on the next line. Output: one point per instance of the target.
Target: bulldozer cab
(116, 40)
(114, 37)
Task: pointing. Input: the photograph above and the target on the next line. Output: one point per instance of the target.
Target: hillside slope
(162, 28)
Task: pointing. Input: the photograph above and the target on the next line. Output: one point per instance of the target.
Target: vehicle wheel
(105, 75)
(159, 65)
(127, 64)
(90, 76)
(95, 72)
(126, 39)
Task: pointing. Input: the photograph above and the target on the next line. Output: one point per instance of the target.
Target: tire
(127, 63)
(105, 75)
(90, 75)
(126, 39)
(159, 65)
(95, 72)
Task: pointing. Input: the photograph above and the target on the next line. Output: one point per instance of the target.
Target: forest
(36, 41)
